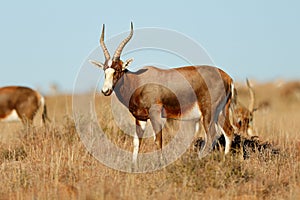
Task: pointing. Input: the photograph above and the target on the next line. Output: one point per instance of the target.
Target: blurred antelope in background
(19, 103)
(243, 116)
(290, 90)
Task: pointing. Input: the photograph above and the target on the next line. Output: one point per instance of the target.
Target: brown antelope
(19, 103)
(198, 93)
(290, 90)
(243, 117)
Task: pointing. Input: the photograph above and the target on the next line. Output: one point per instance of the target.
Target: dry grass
(52, 163)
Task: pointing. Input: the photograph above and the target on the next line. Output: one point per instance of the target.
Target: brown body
(198, 93)
(154, 86)
(20, 103)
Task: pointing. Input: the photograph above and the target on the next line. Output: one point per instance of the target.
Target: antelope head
(244, 116)
(113, 68)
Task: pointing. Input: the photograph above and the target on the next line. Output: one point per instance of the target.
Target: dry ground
(52, 163)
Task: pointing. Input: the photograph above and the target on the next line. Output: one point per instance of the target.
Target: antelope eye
(240, 123)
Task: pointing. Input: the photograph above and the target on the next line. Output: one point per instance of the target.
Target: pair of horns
(118, 52)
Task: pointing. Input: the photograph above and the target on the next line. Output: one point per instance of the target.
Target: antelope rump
(19, 103)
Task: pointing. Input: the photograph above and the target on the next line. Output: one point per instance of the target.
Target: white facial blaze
(250, 130)
(109, 63)
(109, 77)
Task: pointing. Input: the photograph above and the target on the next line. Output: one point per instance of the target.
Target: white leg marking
(227, 144)
(227, 139)
(136, 141)
(154, 136)
(203, 146)
(13, 116)
(136, 144)
(197, 126)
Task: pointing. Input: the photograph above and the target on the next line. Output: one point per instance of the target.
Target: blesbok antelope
(290, 90)
(19, 103)
(243, 117)
(198, 93)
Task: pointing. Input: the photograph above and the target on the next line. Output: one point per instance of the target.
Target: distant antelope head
(113, 68)
(244, 116)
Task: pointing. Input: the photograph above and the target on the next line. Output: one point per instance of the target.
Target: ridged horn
(252, 96)
(105, 51)
(122, 45)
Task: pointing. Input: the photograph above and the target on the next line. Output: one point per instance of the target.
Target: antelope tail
(45, 115)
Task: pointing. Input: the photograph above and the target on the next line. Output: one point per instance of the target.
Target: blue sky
(44, 42)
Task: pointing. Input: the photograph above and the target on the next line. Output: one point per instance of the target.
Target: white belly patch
(13, 116)
(193, 113)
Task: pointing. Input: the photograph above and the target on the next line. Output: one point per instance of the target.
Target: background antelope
(198, 93)
(243, 116)
(290, 90)
(19, 103)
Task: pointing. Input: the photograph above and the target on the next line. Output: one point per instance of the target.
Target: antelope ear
(96, 63)
(127, 63)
